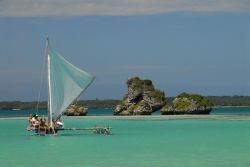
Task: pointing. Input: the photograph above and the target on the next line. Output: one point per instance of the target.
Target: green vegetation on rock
(200, 100)
(160, 95)
(182, 104)
(186, 103)
(142, 98)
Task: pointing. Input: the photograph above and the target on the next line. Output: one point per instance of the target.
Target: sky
(181, 45)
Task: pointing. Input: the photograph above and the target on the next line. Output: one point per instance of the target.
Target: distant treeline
(8, 105)
(216, 100)
(230, 100)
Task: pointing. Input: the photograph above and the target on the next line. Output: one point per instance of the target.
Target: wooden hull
(44, 131)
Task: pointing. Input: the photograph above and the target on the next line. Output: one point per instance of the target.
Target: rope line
(41, 80)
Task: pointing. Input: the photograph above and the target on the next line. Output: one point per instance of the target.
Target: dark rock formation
(75, 110)
(188, 104)
(142, 98)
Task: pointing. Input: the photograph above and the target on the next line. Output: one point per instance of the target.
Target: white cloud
(30, 8)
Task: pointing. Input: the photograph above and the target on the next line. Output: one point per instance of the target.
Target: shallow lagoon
(175, 141)
(108, 111)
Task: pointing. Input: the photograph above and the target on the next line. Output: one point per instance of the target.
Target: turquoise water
(143, 142)
(26, 113)
(98, 111)
(231, 110)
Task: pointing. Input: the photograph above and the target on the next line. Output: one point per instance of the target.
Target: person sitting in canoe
(31, 125)
(34, 121)
(42, 125)
(30, 120)
(58, 124)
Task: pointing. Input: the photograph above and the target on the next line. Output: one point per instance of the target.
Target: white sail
(66, 83)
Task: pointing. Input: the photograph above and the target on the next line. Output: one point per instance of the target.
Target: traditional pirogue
(65, 84)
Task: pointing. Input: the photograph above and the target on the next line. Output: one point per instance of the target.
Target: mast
(49, 86)
(65, 83)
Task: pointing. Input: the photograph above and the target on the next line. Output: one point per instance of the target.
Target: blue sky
(198, 48)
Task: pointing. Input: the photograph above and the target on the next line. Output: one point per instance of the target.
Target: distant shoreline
(231, 106)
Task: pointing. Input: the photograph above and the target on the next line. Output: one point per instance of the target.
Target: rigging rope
(41, 79)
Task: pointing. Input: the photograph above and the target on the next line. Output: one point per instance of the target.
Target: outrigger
(39, 127)
(65, 84)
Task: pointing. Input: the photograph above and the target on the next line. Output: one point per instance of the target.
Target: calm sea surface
(216, 140)
(103, 111)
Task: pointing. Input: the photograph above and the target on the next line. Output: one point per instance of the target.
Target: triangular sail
(66, 83)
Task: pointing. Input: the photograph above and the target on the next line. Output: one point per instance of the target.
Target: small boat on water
(65, 84)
